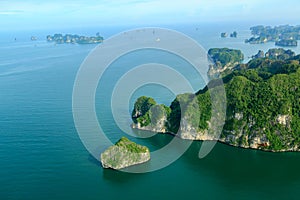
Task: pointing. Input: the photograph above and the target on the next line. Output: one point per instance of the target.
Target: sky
(34, 14)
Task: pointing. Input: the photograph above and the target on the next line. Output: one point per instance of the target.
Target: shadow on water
(245, 166)
(113, 175)
(228, 166)
(120, 177)
(154, 142)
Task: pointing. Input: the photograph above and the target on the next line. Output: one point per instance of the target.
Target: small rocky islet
(232, 35)
(124, 153)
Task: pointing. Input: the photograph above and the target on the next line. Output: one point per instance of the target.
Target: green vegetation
(287, 43)
(183, 107)
(157, 112)
(123, 154)
(263, 91)
(131, 146)
(146, 111)
(141, 107)
(224, 61)
(283, 35)
(224, 56)
(263, 101)
(279, 54)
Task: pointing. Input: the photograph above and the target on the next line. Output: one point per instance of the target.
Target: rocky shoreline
(203, 137)
(262, 106)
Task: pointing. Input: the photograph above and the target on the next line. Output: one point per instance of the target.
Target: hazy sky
(18, 14)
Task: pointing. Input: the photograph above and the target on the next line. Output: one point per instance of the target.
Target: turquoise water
(42, 157)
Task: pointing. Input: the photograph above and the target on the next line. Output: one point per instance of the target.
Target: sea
(42, 155)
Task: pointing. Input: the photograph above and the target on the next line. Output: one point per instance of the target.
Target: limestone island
(262, 104)
(74, 39)
(232, 35)
(33, 38)
(276, 53)
(284, 35)
(223, 35)
(286, 43)
(123, 154)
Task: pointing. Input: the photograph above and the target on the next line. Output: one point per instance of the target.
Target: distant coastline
(284, 35)
(74, 39)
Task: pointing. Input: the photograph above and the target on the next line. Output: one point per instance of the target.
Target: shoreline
(223, 142)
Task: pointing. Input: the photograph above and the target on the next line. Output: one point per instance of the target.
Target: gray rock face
(123, 154)
(239, 137)
(158, 126)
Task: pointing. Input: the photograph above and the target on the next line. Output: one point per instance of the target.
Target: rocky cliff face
(158, 127)
(262, 106)
(123, 154)
(258, 139)
(155, 120)
(214, 71)
(224, 60)
(239, 137)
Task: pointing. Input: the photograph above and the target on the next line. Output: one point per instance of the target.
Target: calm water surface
(42, 157)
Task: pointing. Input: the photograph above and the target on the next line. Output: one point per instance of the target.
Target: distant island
(233, 34)
(263, 108)
(33, 38)
(284, 35)
(275, 54)
(287, 43)
(123, 154)
(224, 34)
(74, 39)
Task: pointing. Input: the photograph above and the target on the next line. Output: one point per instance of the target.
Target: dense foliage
(225, 56)
(261, 91)
(123, 154)
(261, 102)
(263, 99)
(282, 32)
(141, 107)
(131, 146)
(147, 112)
(283, 35)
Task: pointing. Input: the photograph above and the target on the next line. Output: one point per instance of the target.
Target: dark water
(42, 157)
